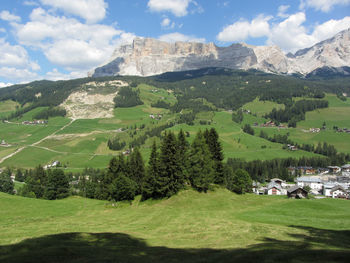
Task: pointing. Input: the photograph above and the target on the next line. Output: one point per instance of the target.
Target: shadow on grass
(316, 246)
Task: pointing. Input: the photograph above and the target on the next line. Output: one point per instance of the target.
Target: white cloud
(243, 29)
(330, 28)
(7, 16)
(282, 11)
(177, 7)
(55, 74)
(17, 75)
(4, 85)
(30, 3)
(69, 43)
(15, 56)
(90, 10)
(178, 37)
(323, 5)
(165, 22)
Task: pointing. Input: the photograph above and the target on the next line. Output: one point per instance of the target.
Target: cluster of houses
(35, 122)
(156, 116)
(343, 130)
(52, 165)
(4, 144)
(314, 130)
(269, 124)
(332, 181)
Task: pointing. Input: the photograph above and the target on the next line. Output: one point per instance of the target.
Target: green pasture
(6, 107)
(218, 226)
(260, 108)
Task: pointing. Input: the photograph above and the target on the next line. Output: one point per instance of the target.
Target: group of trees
(50, 112)
(238, 117)
(172, 166)
(48, 184)
(115, 144)
(295, 112)
(6, 184)
(127, 98)
(324, 148)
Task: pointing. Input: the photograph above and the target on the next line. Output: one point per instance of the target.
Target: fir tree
(200, 169)
(6, 184)
(183, 146)
(123, 188)
(217, 155)
(150, 186)
(57, 185)
(136, 168)
(171, 178)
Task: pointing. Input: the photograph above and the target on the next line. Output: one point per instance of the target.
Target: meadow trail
(36, 143)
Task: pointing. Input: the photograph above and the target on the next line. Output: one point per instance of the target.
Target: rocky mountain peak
(148, 56)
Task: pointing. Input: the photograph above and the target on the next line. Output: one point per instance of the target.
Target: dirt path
(35, 143)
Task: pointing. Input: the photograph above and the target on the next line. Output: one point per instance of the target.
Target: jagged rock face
(147, 57)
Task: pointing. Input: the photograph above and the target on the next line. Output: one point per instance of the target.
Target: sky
(65, 39)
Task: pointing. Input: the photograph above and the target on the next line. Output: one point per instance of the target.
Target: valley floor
(190, 227)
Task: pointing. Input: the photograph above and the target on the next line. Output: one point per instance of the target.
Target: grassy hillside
(191, 227)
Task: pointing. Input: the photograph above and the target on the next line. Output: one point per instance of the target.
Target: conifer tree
(183, 146)
(136, 168)
(171, 178)
(57, 185)
(200, 164)
(151, 184)
(217, 155)
(6, 184)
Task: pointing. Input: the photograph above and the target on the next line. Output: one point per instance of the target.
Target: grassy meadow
(189, 227)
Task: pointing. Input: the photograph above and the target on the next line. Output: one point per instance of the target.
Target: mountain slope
(147, 57)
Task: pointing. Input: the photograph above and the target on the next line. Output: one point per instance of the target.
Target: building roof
(309, 179)
(272, 185)
(294, 188)
(346, 166)
(338, 187)
(333, 167)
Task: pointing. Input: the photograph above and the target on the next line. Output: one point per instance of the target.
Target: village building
(314, 182)
(334, 169)
(274, 189)
(297, 192)
(338, 192)
(345, 170)
(52, 165)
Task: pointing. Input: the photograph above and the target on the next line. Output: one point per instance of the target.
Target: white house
(314, 182)
(274, 189)
(334, 169)
(345, 169)
(338, 192)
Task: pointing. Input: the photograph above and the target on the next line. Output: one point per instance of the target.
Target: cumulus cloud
(55, 74)
(4, 85)
(17, 75)
(177, 7)
(323, 5)
(244, 29)
(69, 43)
(282, 10)
(15, 56)
(167, 24)
(90, 10)
(7, 16)
(289, 34)
(178, 37)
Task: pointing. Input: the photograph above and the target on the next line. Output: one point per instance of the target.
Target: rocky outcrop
(147, 57)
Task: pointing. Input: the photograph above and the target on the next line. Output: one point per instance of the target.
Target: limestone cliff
(147, 57)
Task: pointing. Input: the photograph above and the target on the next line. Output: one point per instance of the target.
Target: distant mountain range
(148, 57)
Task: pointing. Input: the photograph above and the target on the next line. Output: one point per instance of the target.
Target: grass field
(190, 227)
(6, 107)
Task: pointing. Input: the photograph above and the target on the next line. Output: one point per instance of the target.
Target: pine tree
(150, 186)
(171, 178)
(6, 184)
(183, 146)
(136, 168)
(217, 155)
(200, 169)
(57, 185)
(123, 188)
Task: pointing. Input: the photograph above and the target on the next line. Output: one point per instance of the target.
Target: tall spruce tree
(6, 184)
(151, 184)
(183, 147)
(215, 149)
(171, 179)
(200, 169)
(136, 168)
(57, 185)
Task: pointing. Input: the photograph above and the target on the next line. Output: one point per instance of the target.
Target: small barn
(297, 192)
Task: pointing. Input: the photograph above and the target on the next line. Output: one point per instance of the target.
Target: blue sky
(63, 39)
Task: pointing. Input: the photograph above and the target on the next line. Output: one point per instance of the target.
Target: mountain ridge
(148, 57)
